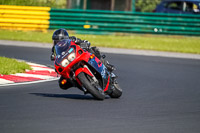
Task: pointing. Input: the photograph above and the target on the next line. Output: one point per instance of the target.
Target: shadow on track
(68, 96)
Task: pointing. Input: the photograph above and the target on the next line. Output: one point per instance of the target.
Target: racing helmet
(59, 35)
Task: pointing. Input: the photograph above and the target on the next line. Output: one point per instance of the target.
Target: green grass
(44, 37)
(12, 66)
(183, 44)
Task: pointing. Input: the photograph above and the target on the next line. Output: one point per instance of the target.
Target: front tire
(90, 88)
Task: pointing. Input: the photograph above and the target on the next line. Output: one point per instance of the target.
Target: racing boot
(108, 65)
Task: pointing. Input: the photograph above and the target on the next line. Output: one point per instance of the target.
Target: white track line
(32, 82)
(4, 81)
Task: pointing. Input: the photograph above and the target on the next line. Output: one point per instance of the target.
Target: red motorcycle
(85, 70)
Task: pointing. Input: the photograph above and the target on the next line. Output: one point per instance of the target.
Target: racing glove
(85, 44)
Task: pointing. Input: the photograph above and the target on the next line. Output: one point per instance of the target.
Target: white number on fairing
(103, 71)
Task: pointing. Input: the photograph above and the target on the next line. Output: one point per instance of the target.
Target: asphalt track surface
(160, 95)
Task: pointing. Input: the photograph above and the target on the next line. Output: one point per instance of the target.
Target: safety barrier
(24, 17)
(97, 21)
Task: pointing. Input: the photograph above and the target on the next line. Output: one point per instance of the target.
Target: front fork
(86, 70)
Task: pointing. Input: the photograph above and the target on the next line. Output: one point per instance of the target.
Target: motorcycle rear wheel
(117, 91)
(99, 95)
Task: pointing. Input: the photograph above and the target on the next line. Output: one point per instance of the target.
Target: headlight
(71, 57)
(64, 63)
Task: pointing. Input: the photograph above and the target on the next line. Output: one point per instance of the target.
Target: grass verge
(12, 66)
(183, 44)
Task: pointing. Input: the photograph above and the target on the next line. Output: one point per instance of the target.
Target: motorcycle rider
(62, 34)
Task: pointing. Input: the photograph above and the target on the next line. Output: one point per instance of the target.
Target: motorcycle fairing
(63, 49)
(85, 70)
(100, 67)
(96, 63)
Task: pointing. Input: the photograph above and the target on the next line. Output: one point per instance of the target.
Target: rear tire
(91, 88)
(117, 91)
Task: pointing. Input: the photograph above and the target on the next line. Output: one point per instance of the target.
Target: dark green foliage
(46, 3)
(140, 5)
(146, 5)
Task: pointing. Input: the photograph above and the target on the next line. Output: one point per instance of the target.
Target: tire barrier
(97, 21)
(24, 17)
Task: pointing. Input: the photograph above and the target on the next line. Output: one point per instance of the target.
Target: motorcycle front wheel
(91, 87)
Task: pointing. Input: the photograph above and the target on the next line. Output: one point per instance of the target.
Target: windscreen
(62, 46)
(61, 49)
